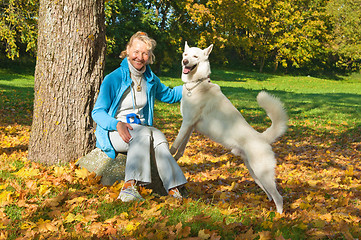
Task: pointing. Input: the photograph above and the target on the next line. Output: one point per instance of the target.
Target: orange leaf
(182, 232)
(265, 235)
(45, 226)
(249, 235)
(55, 201)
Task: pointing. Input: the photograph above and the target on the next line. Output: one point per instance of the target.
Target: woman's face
(138, 54)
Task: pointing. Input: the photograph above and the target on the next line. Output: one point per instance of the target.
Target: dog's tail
(277, 114)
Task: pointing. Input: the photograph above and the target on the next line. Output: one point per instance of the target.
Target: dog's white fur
(206, 109)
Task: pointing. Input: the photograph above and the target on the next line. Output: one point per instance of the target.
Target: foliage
(18, 26)
(318, 172)
(284, 34)
(165, 21)
(346, 36)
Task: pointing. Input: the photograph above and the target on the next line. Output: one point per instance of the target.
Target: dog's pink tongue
(186, 70)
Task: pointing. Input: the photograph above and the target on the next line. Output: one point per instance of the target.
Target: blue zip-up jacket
(110, 94)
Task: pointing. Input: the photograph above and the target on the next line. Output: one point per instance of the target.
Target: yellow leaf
(44, 190)
(70, 218)
(304, 205)
(327, 217)
(2, 226)
(5, 197)
(82, 173)
(28, 225)
(59, 171)
(131, 226)
(233, 186)
(76, 200)
(3, 186)
(27, 172)
(79, 217)
(203, 235)
(349, 172)
(267, 224)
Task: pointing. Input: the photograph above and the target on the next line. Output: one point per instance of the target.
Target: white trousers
(145, 141)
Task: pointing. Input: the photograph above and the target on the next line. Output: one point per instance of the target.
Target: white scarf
(136, 74)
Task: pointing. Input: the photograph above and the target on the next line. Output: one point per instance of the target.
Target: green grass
(16, 97)
(304, 97)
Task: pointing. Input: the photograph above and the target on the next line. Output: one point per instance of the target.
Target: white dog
(206, 109)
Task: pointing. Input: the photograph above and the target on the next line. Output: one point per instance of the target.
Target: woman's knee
(158, 138)
(140, 131)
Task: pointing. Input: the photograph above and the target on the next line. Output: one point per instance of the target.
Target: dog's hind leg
(257, 181)
(262, 162)
(240, 153)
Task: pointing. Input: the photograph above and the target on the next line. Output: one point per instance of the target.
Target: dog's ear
(186, 46)
(208, 50)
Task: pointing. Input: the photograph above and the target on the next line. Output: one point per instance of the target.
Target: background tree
(18, 26)
(302, 31)
(346, 32)
(166, 21)
(69, 69)
(290, 32)
(310, 35)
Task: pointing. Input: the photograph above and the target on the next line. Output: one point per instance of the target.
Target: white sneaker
(130, 194)
(175, 193)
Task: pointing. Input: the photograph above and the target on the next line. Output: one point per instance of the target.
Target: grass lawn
(318, 171)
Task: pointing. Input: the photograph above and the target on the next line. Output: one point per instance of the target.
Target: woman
(124, 116)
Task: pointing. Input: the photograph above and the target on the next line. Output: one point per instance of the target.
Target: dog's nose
(185, 62)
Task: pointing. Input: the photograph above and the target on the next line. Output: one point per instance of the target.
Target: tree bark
(69, 70)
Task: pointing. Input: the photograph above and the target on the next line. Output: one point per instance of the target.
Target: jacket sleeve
(100, 113)
(167, 94)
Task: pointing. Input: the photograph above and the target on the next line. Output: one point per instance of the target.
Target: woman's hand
(123, 130)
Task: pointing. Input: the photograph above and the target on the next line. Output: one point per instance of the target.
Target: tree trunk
(261, 64)
(69, 69)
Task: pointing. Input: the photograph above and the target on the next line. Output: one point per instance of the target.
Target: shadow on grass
(238, 76)
(16, 105)
(24, 66)
(296, 104)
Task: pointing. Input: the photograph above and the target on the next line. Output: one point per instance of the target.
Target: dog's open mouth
(187, 70)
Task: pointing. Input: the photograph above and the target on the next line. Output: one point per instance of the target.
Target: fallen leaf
(27, 172)
(203, 235)
(249, 235)
(82, 173)
(5, 198)
(46, 225)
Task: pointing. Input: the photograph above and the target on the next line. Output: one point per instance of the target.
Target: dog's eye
(195, 56)
(185, 54)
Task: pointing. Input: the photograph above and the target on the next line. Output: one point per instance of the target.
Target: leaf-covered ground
(318, 174)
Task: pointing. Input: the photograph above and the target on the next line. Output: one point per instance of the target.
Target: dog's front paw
(172, 150)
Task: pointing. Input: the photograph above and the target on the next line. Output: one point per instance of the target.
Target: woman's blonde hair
(142, 36)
